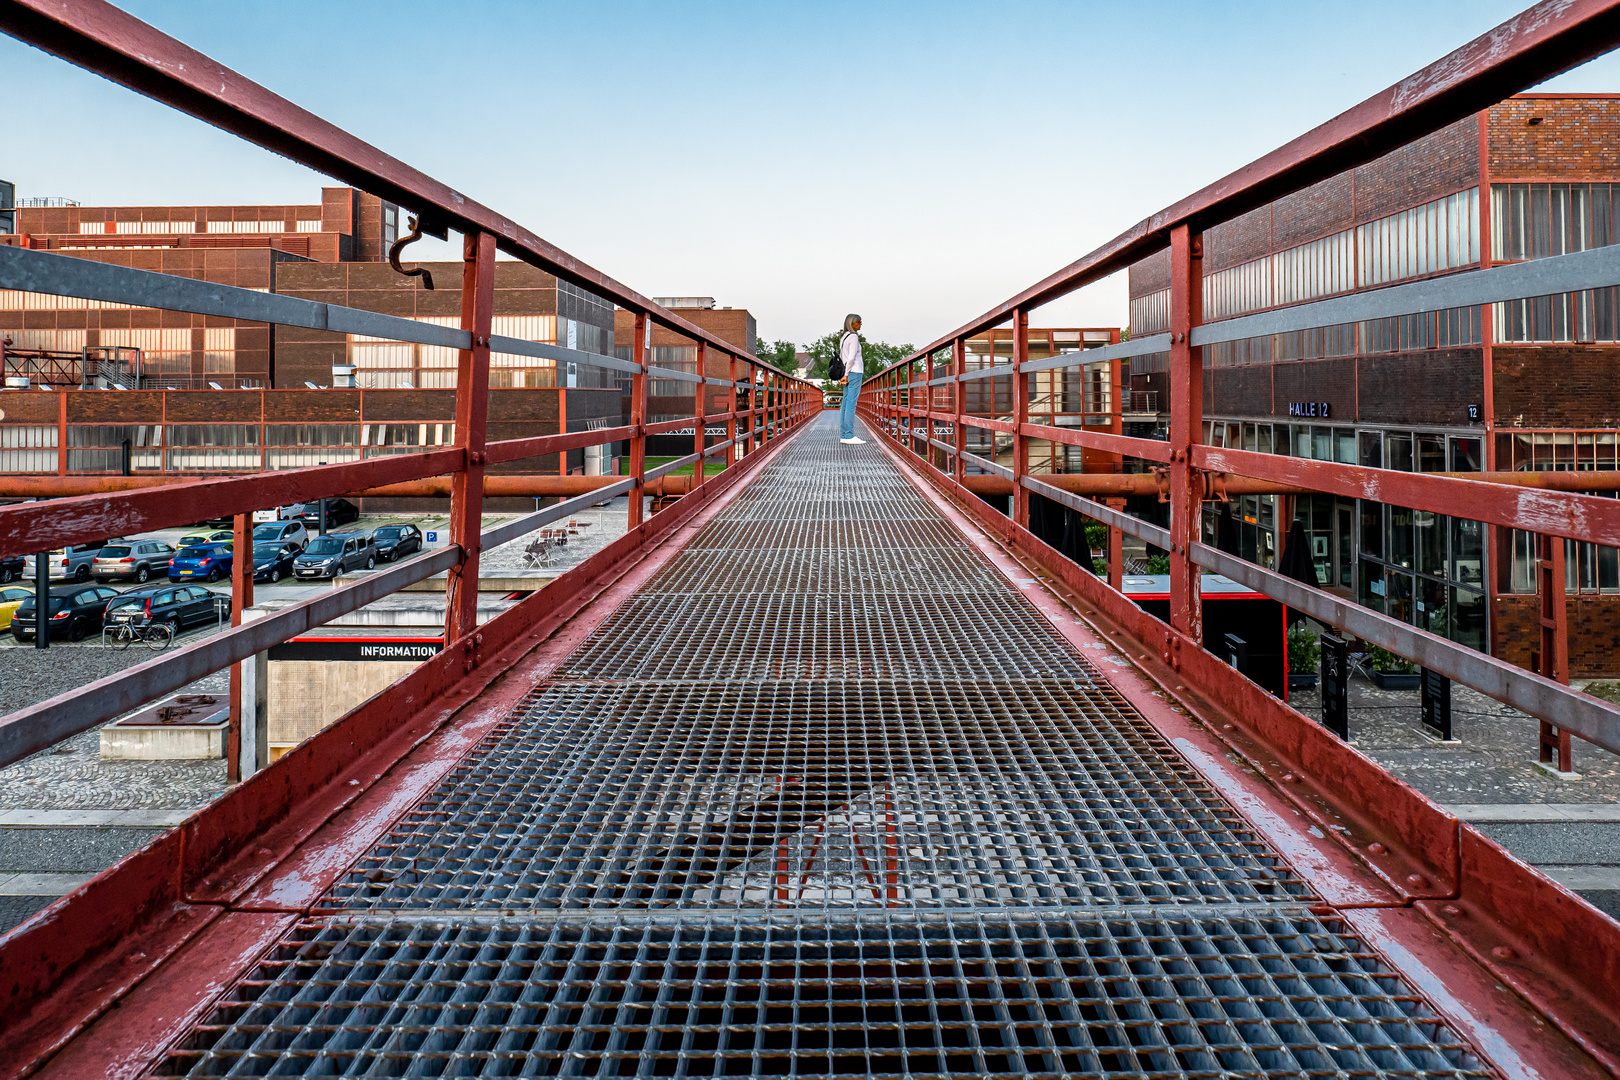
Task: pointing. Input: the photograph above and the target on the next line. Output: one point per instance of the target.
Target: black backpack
(835, 370)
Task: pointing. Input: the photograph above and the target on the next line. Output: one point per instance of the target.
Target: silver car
(71, 563)
(281, 532)
(136, 560)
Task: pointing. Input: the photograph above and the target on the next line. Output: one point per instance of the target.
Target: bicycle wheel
(157, 636)
(122, 636)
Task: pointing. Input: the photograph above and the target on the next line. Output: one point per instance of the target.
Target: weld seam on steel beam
(511, 530)
(1595, 269)
(1591, 719)
(32, 729)
(63, 275)
(1153, 534)
(1119, 350)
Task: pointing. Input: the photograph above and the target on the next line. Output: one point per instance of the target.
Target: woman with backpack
(849, 359)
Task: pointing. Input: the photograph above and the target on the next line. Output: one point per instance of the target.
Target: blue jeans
(846, 412)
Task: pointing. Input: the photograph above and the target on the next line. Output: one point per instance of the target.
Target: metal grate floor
(826, 797)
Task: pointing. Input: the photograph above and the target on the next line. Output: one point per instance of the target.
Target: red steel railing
(1436, 861)
(758, 404)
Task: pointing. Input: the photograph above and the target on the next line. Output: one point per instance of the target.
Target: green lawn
(710, 468)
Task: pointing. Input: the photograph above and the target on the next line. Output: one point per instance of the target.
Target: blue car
(211, 561)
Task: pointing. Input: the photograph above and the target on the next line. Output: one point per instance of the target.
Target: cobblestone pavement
(606, 524)
(1492, 761)
(72, 774)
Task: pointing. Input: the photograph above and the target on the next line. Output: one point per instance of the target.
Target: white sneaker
(853, 442)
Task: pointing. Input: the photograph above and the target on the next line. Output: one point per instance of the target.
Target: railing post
(1020, 381)
(1116, 550)
(241, 600)
(731, 421)
(472, 408)
(698, 424)
(638, 420)
(959, 391)
(1553, 655)
(1186, 424)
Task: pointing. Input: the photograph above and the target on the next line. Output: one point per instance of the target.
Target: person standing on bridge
(849, 351)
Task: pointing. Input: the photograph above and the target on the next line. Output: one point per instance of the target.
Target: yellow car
(11, 599)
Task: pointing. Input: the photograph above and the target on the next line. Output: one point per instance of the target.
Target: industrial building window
(1537, 221)
(28, 448)
(99, 448)
(212, 447)
(1588, 568)
(1429, 239)
(1150, 314)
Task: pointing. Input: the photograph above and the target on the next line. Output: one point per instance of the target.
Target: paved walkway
(826, 796)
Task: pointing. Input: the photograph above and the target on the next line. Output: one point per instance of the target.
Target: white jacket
(849, 351)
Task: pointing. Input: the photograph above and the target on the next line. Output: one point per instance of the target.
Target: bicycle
(156, 635)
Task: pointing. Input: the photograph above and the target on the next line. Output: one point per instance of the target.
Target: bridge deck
(830, 795)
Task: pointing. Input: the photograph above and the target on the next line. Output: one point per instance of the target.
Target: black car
(394, 541)
(12, 568)
(338, 512)
(178, 605)
(330, 555)
(272, 562)
(75, 611)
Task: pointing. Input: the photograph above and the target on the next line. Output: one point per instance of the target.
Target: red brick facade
(1575, 138)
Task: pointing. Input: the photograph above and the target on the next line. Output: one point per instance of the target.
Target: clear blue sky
(916, 162)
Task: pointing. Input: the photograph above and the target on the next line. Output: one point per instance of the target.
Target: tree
(876, 355)
(781, 353)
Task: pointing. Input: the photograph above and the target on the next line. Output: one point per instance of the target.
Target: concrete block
(153, 743)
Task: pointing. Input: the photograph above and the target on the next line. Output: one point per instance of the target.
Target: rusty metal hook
(399, 245)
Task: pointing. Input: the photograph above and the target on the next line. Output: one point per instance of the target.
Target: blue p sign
(433, 538)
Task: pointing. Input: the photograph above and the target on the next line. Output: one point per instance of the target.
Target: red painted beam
(32, 527)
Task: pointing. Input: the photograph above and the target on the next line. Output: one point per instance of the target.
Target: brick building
(221, 395)
(1527, 385)
(671, 399)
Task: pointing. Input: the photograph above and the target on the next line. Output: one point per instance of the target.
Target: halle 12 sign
(1317, 410)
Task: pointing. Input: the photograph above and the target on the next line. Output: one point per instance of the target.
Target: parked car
(212, 561)
(71, 563)
(394, 541)
(331, 555)
(272, 562)
(12, 568)
(137, 559)
(281, 532)
(338, 512)
(218, 536)
(11, 598)
(178, 605)
(75, 610)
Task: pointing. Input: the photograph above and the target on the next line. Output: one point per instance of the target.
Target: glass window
(1400, 536)
(1398, 451)
(1430, 530)
(1398, 596)
(1468, 618)
(1467, 552)
(1302, 441)
(1431, 453)
(1372, 449)
(1263, 439)
(1433, 607)
(1467, 455)
(1322, 443)
(1372, 528)
(1372, 585)
(1346, 446)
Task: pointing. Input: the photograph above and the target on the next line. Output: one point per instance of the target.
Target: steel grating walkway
(826, 797)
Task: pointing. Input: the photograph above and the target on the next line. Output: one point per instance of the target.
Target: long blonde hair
(849, 323)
